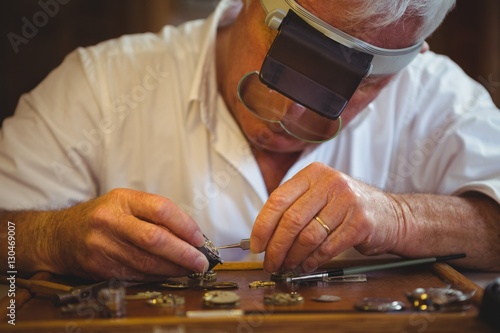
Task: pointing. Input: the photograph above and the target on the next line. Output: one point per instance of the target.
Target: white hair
(376, 14)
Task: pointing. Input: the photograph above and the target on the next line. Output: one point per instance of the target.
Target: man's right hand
(124, 234)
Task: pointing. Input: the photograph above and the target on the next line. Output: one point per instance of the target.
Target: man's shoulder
(431, 73)
(172, 42)
(434, 66)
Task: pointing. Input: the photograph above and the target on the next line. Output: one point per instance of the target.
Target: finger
(162, 211)
(314, 245)
(290, 230)
(311, 236)
(341, 239)
(278, 203)
(269, 217)
(152, 264)
(158, 241)
(123, 269)
(316, 232)
(129, 270)
(136, 264)
(351, 224)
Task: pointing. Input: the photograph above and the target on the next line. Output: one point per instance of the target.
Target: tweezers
(244, 244)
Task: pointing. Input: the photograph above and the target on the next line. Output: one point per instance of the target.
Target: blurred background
(470, 35)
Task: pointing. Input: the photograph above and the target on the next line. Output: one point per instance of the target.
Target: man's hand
(372, 221)
(125, 234)
(357, 215)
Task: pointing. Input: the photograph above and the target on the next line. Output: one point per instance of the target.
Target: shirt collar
(204, 91)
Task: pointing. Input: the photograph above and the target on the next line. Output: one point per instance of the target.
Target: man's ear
(425, 47)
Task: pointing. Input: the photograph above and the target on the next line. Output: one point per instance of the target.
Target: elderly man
(130, 151)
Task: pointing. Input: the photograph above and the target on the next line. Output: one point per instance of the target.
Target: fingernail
(308, 267)
(253, 246)
(201, 264)
(198, 239)
(287, 268)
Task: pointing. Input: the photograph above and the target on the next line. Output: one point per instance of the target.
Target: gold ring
(323, 224)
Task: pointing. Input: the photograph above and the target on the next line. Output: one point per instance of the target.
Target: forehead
(328, 10)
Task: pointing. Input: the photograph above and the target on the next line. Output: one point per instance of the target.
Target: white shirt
(143, 112)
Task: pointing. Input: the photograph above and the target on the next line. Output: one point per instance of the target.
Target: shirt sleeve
(50, 148)
(455, 145)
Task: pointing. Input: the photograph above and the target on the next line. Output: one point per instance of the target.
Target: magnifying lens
(311, 72)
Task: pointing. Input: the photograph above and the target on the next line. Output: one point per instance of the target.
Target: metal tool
(61, 293)
(38, 286)
(80, 293)
(346, 278)
(371, 268)
(244, 244)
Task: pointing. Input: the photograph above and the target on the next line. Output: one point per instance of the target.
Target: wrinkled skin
(126, 234)
(372, 221)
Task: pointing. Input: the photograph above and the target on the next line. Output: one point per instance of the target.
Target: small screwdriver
(244, 244)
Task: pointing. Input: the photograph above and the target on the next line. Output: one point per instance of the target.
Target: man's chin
(279, 143)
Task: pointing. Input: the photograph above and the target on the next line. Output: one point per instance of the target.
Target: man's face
(249, 41)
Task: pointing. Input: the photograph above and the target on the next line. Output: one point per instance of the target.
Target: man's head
(372, 16)
(386, 24)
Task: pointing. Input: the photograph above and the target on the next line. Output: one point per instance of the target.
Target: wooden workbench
(38, 314)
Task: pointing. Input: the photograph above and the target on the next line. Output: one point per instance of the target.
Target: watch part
(374, 304)
(221, 285)
(211, 252)
(221, 299)
(327, 298)
(171, 284)
(143, 295)
(282, 299)
(208, 276)
(439, 299)
(113, 300)
(281, 277)
(262, 284)
(167, 301)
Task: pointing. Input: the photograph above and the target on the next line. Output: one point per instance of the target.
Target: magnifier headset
(311, 72)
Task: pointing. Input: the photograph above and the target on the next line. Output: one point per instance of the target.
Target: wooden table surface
(39, 314)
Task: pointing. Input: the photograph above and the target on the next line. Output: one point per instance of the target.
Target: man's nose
(292, 111)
